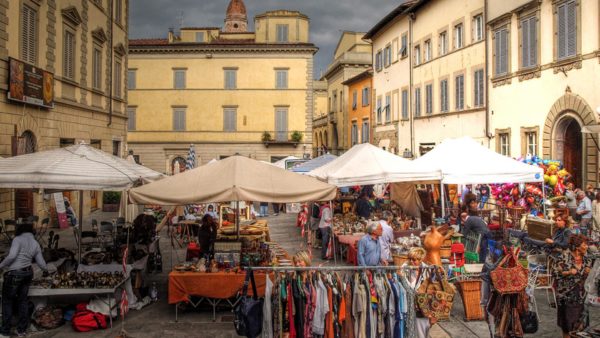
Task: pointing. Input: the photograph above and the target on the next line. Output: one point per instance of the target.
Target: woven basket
(445, 252)
(470, 293)
(399, 259)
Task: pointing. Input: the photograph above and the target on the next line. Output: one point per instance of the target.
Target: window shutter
(525, 43)
(562, 31)
(571, 29)
(481, 87)
(131, 119)
(28, 34)
(131, 79)
(504, 51)
(497, 52)
(533, 41)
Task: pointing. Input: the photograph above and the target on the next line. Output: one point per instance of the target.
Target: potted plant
(266, 137)
(296, 136)
(110, 201)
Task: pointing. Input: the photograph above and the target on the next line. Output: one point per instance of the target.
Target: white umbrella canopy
(235, 178)
(77, 167)
(465, 161)
(367, 164)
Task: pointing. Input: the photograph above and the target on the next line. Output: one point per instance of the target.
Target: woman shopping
(417, 273)
(570, 269)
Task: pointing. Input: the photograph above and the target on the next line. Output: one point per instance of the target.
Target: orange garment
(329, 318)
(221, 285)
(342, 314)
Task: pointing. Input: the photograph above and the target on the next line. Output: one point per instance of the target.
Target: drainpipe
(488, 134)
(411, 18)
(110, 67)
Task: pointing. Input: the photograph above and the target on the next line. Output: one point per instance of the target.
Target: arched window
(27, 143)
(178, 165)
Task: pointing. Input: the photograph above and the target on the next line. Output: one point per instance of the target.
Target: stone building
(358, 105)
(226, 90)
(544, 61)
(63, 82)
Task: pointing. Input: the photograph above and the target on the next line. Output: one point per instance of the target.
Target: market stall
(236, 178)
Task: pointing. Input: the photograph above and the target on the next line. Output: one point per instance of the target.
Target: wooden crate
(470, 293)
(539, 228)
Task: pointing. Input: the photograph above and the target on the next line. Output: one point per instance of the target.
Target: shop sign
(29, 84)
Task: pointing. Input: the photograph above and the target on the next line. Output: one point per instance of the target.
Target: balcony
(282, 138)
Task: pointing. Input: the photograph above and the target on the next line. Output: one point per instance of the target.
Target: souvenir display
(76, 280)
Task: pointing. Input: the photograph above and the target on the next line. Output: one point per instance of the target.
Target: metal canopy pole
(331, 235)
(337, 268)
(79, 226)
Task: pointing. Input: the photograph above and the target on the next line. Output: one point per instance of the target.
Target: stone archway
(562, 137)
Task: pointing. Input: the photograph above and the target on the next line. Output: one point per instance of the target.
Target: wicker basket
(445, 251)
(470, 293)
(400, 259)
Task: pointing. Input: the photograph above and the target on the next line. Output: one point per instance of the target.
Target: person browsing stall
(362, 207)
(584, 210)
(17, 279)
(369, 250)
(416, 272)
(211, 211)
(387, 236)
(473, 223)
(560, 238)
(325, 228)
(207, 235)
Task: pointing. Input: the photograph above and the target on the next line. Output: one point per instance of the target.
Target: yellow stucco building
(80, 49)
(227, 90)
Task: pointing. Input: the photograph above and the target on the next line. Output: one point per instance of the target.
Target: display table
(260, 230)
(211, 287)
(347, 245)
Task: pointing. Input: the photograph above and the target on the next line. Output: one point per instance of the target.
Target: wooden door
(572, 153)
(94, 199)
(23, 203)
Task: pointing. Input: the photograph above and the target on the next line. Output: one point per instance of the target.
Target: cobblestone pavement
(158, 319)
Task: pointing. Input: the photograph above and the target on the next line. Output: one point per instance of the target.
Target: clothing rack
(336, 268)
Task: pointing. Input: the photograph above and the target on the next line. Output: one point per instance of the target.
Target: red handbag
(86, 320)
(510, 276)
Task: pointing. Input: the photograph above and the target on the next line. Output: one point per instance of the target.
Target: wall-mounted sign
(30, 84)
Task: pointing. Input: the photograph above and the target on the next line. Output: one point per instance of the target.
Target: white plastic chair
(540, 278)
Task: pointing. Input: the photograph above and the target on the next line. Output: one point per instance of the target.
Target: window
(459, 82)
(230, 78)
(281, 124)
(388, 108)
(130, 118)
(334, 101)
(131, 77)
(443, 43)
(354, 133)
(97, 68)
(379, 119)
(387, 56)
(478, 28)
(427, 51)
(365, 132)
(458, 36)
(179, 78)
(404, 47)
(444, 95)
(378, 60)
(282, 33)
(405, 104)
(394, 50)
(529, 42)
(478, 88)
(417, 55)
(229, 119)
(179, 119)
(118, 79)
(117, 148)
(199, 36)
(354, 99)
(429, 99)
(365, 96)
(567, 29)
(118, 11)
(504, 144)
(29, 31)
(531, 143)
(418, 102)
(69, 54)
(501, 51)
(281, 79)
(341, 100)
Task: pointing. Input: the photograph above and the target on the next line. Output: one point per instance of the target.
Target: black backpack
(248, 313)
(316, 210)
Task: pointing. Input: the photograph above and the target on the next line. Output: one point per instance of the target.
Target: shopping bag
(248, 313)
(509, 276)
(592, 286)
(435, 296)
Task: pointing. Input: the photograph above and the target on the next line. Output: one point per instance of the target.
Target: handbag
(529, 322)
(248, 313)
(510, 276)
(434, 297)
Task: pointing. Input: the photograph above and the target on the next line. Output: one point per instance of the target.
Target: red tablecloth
(220, 285)
(350, 241)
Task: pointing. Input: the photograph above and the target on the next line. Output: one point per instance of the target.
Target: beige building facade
(80, 47)
(544, 61)
(226, 91)
(352, 56)
(319, 117)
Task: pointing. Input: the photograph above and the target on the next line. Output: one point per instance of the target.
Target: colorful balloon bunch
(555, 175)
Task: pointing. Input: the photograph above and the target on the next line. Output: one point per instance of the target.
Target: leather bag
(248, 313)
(529, 322)
(510, 276)
(435, 296)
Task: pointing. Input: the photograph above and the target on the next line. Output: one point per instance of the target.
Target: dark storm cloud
(328, 18)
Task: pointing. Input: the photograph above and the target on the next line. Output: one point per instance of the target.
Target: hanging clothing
(267, 331)
(322, 308)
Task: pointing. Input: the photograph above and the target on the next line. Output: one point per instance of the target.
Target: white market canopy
(464, 161)
(314, 163)
(235, 178)
(77, 167)
(366, 164)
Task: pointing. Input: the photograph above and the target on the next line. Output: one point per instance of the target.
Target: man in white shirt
(387, 236)
(325, 227)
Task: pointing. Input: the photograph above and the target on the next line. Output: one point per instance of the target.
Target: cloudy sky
(328, 18)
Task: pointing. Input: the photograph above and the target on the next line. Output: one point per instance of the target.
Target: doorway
(569, 148)
(26, 144)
